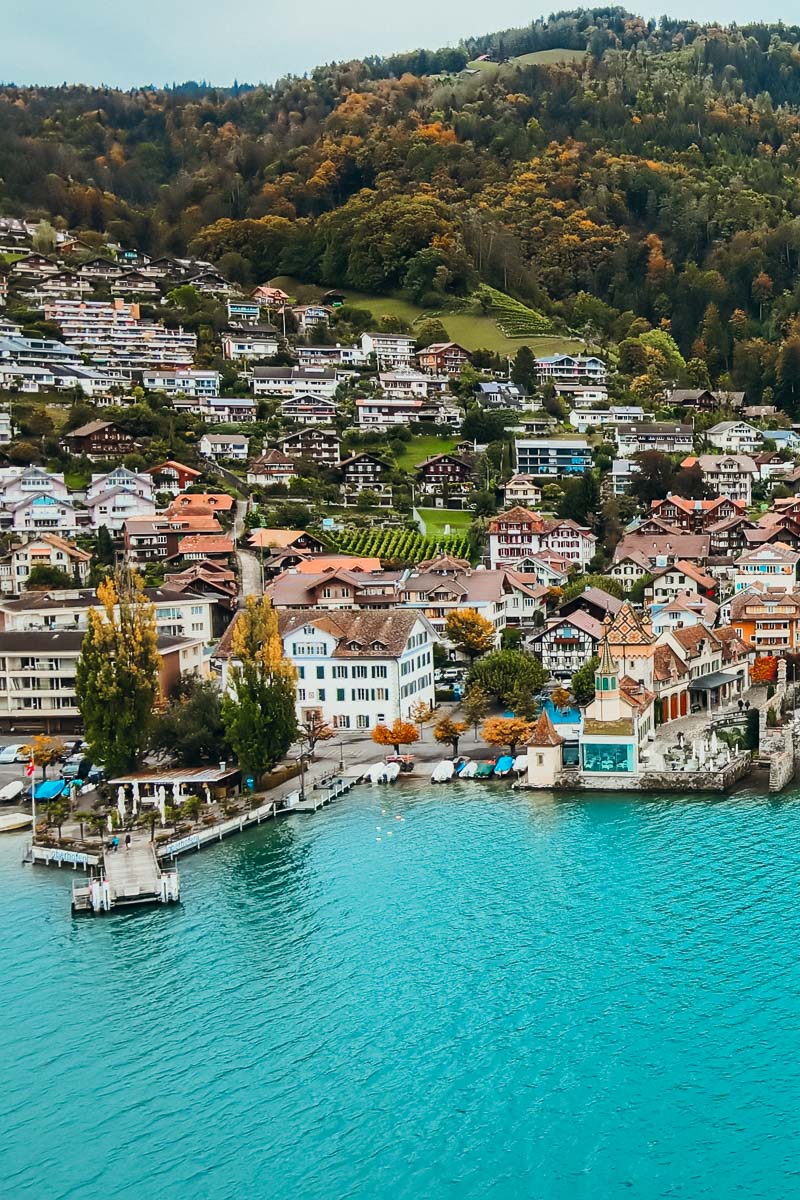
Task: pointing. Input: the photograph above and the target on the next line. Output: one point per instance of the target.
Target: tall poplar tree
(259, 712)
(117, 675)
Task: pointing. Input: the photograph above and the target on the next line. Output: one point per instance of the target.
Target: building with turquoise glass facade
(616, 722)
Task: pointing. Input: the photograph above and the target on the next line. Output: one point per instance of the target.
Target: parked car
(77, 766)
(12, 754)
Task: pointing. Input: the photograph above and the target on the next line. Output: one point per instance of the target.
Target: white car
(11, 754)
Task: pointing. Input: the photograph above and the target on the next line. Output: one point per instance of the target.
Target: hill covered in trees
(647, 185)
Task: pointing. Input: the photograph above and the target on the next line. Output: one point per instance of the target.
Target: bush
(772, 718)
(444, 694)
(752, 730)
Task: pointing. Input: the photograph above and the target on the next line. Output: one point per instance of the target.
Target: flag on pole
(31, 767)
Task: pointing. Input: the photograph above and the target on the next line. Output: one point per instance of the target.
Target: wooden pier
(322, 792)
(129, 878)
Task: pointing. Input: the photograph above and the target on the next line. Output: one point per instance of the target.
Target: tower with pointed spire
(607, 705)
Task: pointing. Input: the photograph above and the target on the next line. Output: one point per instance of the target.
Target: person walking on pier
(127, 841)
(115, 843)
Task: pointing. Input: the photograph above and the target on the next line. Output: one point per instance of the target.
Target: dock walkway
(133, 875)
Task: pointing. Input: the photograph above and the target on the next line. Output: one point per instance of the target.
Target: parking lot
(9, 772)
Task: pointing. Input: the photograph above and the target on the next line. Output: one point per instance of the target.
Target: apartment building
(390, 349)
(112, 333)
(37, 676)
(571, 368)
(47, 550)
(183, 380)
(543, 457)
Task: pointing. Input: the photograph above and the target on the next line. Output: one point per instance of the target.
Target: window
(321, 693)
(359, 672)
(362, 722)
(320, 672)
(340, 672)
(380, 672)
(301, 672)
(340, 693)
(341, 722)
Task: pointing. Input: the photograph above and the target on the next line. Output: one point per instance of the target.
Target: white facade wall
(359, 692)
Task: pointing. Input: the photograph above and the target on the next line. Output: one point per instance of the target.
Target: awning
(707, 683)
(181, 775)
(50, 789)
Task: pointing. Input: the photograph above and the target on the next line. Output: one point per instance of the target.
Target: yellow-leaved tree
(116, 681)
(258, 712)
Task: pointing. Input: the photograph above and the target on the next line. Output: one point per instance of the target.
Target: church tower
(607, 702)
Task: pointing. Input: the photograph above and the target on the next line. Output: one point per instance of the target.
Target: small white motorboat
(376, 773)
(470, 770)
(392, 772)
(521, 764)
(14, 821)
(443, 772)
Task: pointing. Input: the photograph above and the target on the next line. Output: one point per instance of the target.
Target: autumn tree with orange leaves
(399, 733)
(506, 731)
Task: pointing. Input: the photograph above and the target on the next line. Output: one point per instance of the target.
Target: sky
(166, 41)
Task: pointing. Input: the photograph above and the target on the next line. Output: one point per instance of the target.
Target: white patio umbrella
(713, 742)
(135, 796)
(207, 791)
(121, 801)
(162, 805)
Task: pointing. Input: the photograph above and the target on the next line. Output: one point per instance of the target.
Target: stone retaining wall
(654, 781)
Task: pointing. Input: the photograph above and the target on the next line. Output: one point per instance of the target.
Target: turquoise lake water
(467, 995)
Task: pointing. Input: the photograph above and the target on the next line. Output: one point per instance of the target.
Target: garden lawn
(435, 520)
(472, 331)
(420, 448)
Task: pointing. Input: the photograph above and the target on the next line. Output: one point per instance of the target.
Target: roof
(175, 466)
(667, 665)
(58, 543)
(743, 600)
(691, 638)
(623, 727)
(334, 562)
(273, 458)
(205, 543)
(544, 733)
(359, 633)
(597, 597)
(628, 628)
(90, 428)
(694, 572)
(278, 539)
(711, 464)
(215, 501)
(68, 641)
(580, 619)
(775, 551)
(676, 545)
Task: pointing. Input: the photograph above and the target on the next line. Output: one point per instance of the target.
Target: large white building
(112, 333)
(359, 669)
(356, 669)
(176, 614)
(187, 382)
(390, 349)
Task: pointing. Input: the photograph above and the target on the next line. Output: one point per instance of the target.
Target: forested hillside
(650, 181)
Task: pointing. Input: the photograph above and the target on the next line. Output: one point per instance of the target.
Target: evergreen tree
(104, 547)
(523, 372)
(116, 681)
(259, 713)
